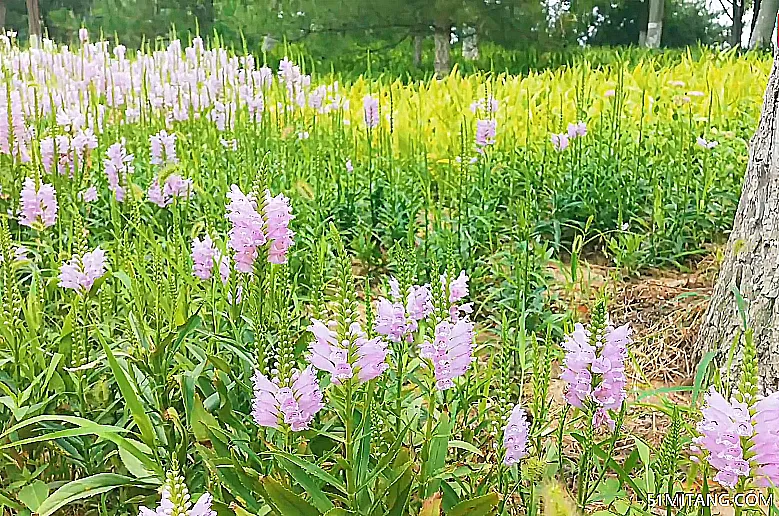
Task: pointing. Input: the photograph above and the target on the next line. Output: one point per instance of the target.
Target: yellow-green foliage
(727, 88)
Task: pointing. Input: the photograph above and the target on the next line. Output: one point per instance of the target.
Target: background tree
(654, 28)
(685, 23)
(33, 17)
(751, 264)
(764, 24)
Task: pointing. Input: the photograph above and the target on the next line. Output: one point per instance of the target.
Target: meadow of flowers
(229, 287)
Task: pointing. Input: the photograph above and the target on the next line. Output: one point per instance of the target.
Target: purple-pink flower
(294, 405)
(88, 195)
(20, 254)
(458, 287)
(83, 143)
(370, 107)
(81, 272)
(601, 365)
(577, 130)
(167, 507)
(490, 105)
(118, 167)
(278, 214)
(560, 141)
(724, 424)
(486, 130)
(451, 352)
(418, 302)
(163, 148)
(38, 205)
(391, 320)
(204, 256)
(175, 187)
(706, 144)
(515, 435)
(343, 356)
(247, 232)
(765, 444)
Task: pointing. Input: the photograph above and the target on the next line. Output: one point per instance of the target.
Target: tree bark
(738, 23)
(643, 20)
(442, 36)
(470, 43)
(34, 17)
(654, 29)
(763, 31)
(755, 12)
(418, 50)
(751, 262)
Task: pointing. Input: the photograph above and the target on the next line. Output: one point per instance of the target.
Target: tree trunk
(751, 262)
(2, 14)
(738, 23)
(443, 34)
(418, 50)
(654, 29)
(643, 20)
(470, 43)
(755, 12)
(763, 31)
(34, 17)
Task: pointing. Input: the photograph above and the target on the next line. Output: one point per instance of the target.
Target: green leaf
(431, 506)
(643, 450)
(133, 463)
(700, 375)
(82, 488)
(311, 469)
(741, 304)
(318, 498)
(479, 506)
(201, 419)
(437, 457)
(285, 501)
(107, 432)
(33, 495)
(131, 398)
(401, 476)
(609, 491)
(462, 445)
(7, 502)
(621, 474)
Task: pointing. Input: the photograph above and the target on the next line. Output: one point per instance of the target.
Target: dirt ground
(665, 310)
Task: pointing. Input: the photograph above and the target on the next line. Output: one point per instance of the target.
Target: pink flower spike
(278, 214)
(38, 207)
(486, 130)
(451, 353)
(559, 141)
(88, 195)
(458, 288)
(81, 272)
(371, 111)
(515, 435)
(294, 406)
(724, 424)
(247, 232)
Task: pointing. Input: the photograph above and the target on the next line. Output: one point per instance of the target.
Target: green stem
(583, 479)
(561, 430)
(399, 398)
(348, 427)
(428, 436)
